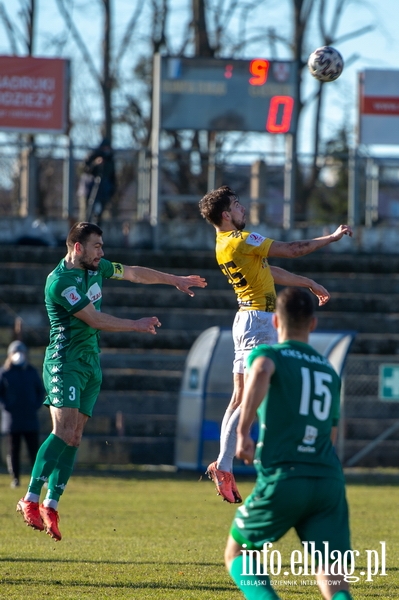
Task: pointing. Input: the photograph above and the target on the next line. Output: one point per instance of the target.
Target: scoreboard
(218, 94)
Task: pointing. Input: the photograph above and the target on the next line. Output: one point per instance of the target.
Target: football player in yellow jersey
(243, 258)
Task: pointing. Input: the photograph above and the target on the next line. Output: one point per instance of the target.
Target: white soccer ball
(326, 63)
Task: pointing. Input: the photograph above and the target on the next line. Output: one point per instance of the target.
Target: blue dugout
(207, 386)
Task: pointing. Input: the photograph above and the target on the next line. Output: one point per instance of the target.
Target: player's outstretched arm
(255, 390)
(283, 277)
(106, 322)
(151, 276)
(303, 247)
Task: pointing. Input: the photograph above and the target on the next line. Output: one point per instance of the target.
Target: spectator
(97, 183)
(21, 396)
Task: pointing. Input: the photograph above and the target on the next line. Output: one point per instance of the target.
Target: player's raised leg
(46, 461)
(220, 471)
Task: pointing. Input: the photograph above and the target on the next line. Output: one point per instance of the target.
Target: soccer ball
(326, 63)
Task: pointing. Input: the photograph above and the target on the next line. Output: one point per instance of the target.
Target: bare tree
(216, 28)
(21, 35)
(329, 35)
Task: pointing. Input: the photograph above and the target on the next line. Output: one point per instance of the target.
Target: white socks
(50, 503)
(228, 439)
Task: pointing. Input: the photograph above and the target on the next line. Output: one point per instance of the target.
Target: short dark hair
(214, 203)
(80, 232)
(295, 307)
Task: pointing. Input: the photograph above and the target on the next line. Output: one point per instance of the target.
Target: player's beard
(239, 225)
(89, 266)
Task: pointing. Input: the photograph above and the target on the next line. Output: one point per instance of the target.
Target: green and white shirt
(296, 416)
(68, 291)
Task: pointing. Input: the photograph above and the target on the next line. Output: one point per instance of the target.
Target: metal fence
(45, 183)
(370, 424)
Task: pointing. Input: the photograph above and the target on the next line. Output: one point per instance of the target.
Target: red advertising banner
(34, 94)
(379, 105)
(378, 93)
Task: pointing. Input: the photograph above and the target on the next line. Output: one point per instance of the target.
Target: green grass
(162, 536)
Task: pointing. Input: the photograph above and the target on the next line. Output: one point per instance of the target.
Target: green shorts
(74, 384)
(315, 507)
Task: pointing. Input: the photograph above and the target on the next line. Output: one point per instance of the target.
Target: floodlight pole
(212, 161)
(372, 184)
(68, 177)
(289, 182)
(353, 191)
(155, 131)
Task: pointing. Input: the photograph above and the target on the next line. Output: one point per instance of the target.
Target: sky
(374, 50)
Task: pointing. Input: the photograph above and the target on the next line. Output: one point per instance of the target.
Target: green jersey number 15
(320, 407)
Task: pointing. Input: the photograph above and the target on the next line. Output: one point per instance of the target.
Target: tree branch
(349, 36)
(11, 30)
(78, 40)
(127, 36)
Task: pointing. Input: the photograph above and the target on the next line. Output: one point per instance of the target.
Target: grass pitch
(161, 537)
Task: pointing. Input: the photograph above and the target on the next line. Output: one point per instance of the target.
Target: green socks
(258, 587)
(254, 587)
(46, 461)
(342, 595)
(59, 477)
(54, 464)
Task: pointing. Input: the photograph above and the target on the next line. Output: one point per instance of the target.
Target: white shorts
(251, 328)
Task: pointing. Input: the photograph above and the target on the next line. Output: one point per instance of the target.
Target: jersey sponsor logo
(244, 303)
(79, 279)
(55, 379)
(236, 234)
(255, 239)
(94, 293)
(92, 273)
(60, 337)
(56, 355)
(60, 328)
(308, 449)
(72, 295)
(58, 346)
(56, 401)
(118, 271)
(310, 435)
(56, 368)
(55, 390)
(270, 302)
(264, 263)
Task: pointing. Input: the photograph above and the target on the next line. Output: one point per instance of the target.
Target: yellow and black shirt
(242, 256)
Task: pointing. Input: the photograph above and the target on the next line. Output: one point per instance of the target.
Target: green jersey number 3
(321, 408)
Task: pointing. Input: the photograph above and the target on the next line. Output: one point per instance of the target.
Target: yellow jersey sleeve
(242, 257)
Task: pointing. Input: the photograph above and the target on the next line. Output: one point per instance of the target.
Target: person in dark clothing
(98, 181)
(21, 396)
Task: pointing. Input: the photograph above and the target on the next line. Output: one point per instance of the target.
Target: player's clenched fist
(245, 448)
(147, 325)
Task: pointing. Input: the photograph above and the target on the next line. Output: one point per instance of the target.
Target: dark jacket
(21, 396)
(104, 170)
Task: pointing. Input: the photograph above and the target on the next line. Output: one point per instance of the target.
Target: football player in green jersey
(244, 258)
(296, 394)
(71, 369)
